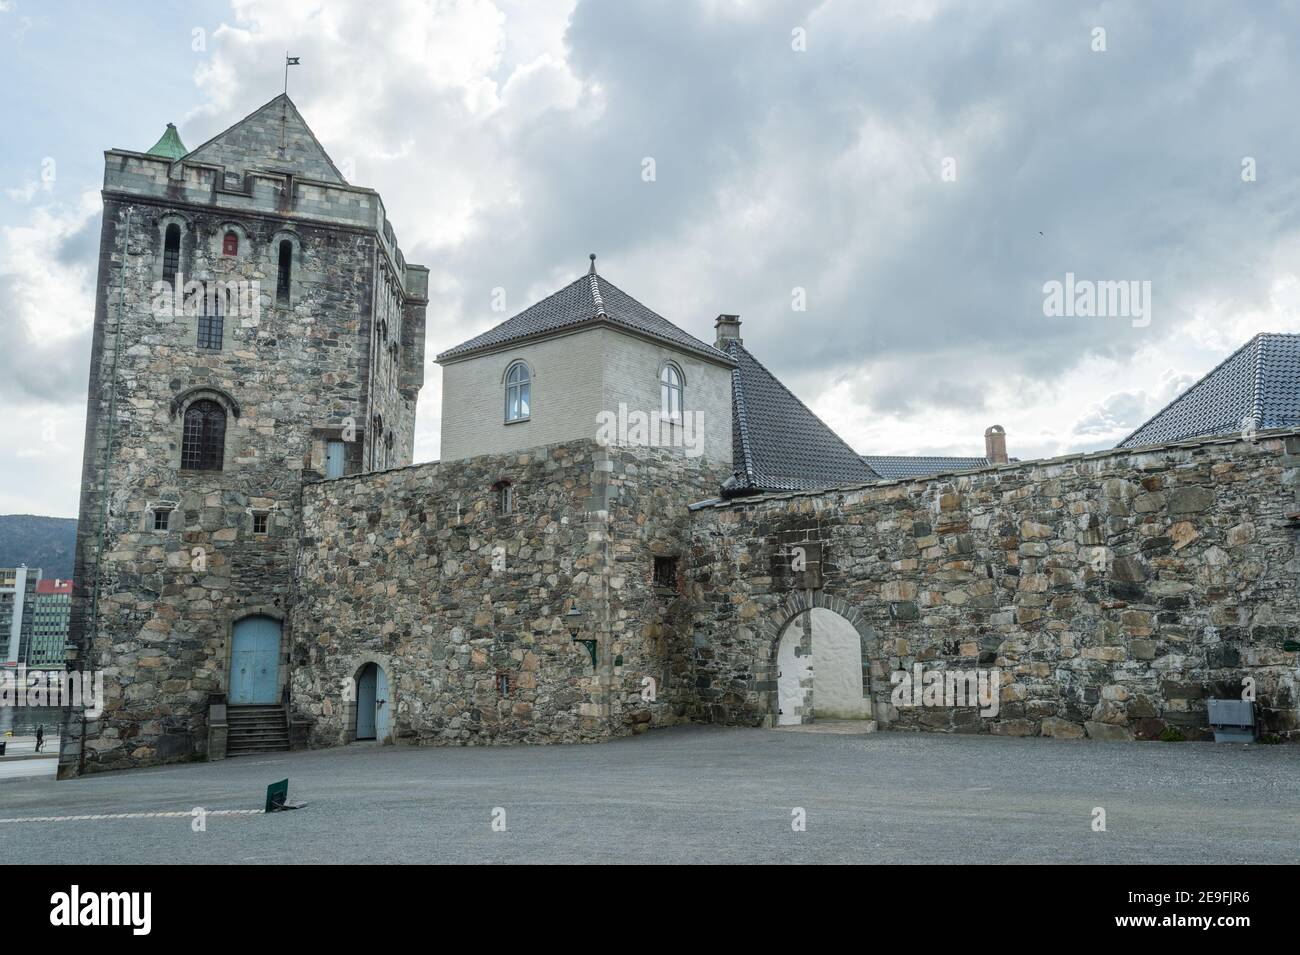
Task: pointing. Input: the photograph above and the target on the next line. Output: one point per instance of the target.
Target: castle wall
(475, 615)
(1117, 591)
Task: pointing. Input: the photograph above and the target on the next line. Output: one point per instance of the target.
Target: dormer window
(670, 392)
(518, 393)
(230, 244)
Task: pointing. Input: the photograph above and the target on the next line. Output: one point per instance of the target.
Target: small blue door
(372, 703)
(255, 661)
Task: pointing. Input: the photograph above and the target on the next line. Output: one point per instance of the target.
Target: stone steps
(256, 729)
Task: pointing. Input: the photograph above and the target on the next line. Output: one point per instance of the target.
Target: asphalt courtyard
(691, 794)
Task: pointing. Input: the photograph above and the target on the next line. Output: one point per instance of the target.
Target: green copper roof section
(170, 145)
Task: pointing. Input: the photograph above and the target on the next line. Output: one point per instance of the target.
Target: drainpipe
(108, 457)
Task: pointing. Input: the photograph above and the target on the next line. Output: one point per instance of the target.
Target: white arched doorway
(819, 661)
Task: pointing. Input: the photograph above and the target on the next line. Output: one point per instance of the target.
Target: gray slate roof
(588, 300)
(892, 466)
(777, 443)
(1259, 381)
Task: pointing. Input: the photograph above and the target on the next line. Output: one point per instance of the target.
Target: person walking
(40, 736)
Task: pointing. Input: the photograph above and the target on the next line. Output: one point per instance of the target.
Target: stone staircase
(256, 729)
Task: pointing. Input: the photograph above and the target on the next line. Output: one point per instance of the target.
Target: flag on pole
(291, 61)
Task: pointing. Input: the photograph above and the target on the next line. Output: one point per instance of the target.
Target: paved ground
(699, 794)
(21, 759)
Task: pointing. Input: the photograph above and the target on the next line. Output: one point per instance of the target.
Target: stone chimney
(728, 327)
(995, 444)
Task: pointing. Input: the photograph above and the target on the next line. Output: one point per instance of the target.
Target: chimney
(995, 444)
(728, 327)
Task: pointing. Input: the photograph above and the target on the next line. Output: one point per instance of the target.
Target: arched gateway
(822, 662)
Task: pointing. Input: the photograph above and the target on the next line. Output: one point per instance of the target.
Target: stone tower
(256, 327)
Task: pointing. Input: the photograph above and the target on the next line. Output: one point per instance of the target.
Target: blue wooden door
(255, 661)
(366, 687)
(381, 703)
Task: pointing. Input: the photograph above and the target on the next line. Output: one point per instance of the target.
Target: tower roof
(1259, 383)
(169, 145)
(273, 137)
(589, 300)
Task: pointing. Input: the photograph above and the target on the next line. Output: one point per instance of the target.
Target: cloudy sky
(919, 169)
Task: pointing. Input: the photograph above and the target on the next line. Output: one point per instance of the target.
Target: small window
(518, 392)
(162, 518)
(665, 574)
(670, 392)
(504, 684)
(285, 273)
(505, 498)
(203, 440)
(172, 254)
(230, 244)
(260, 522)
(211, 323)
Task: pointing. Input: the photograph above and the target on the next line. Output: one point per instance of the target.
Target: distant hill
(44, 542)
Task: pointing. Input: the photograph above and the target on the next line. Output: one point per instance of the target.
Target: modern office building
(17, 606)
(48, 649)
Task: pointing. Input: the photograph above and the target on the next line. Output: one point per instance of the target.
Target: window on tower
(172, 254)
(285, 273)
(203, 442)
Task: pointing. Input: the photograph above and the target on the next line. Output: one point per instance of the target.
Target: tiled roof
(892, 467)
(1260, 381)
(777, 443)
(588, 300)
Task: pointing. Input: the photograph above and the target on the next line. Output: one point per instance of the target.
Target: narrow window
(505, 498)
(518, 392)
(503, 684)
(161, 518)
(172, 254)
(230, 244)
(665, 573)
(334, 459)
(203, 442)
(259, 523)
(285, 273)
(670, 393)
(211, 322)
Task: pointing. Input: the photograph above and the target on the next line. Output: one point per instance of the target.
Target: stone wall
(1117, 591)
(476, 616)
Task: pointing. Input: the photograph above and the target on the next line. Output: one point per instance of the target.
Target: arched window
(171, 253)
(285, 273)
(670, 392)
(230, 244)
(203, 442)
(518, 392)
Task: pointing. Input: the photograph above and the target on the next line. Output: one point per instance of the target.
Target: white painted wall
(566, 397)
(575, 377)
(631, 377)
(837, 668)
